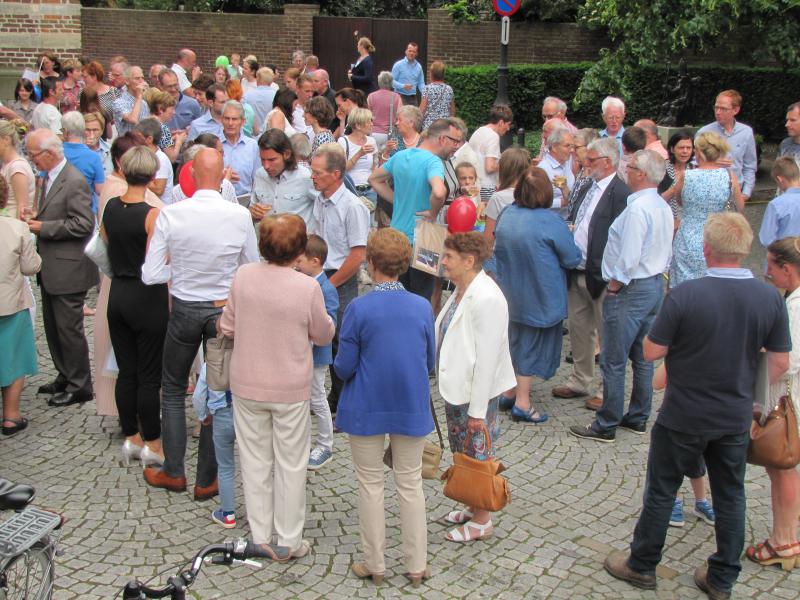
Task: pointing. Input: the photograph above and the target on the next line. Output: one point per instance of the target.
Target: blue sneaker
(319, 456)
(227, 521)
(676, 518)
(704, 511)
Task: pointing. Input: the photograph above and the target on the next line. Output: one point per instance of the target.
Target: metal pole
(502, 77)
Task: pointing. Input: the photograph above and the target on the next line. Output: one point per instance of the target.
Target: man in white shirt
(592, 216)
(197, 245)
(613, 110)
(342, 221)
(486, 143)
(46, 115)
(281, 185)
(186, 68)
(637, 253)
(305, 90)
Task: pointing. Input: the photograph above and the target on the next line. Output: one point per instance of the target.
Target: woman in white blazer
(474, 364)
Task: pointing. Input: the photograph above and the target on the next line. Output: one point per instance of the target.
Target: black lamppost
(507, 139)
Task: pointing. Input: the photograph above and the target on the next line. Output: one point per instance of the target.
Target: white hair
(606, 147)
(556, 135)
(651, 164)
(73, 124)
(235, 104)
(612, 102)
(385, 80)
(561, 106)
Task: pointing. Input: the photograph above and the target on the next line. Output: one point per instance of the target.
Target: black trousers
(63, 327)
(137, 322)
(418, 282)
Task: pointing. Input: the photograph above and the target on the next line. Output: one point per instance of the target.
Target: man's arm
(769, 226)
(379, 181)
(350, 266)
(634, 231)
(438, 195)
(155, 268)
(653, 351)
(421, 80)
(396, 76)
(133, 116)
(491, 165)
(749, 168)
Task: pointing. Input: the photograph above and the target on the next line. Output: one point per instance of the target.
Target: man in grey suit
(64, 224)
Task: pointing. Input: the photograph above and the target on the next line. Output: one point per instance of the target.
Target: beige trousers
(585, 327)
(273, 435)
(407, 460)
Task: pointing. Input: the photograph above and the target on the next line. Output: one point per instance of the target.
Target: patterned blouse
(439, 96)
(166, 137)
(70, 99)
(107, 100)
(323, 137)
(389, 286)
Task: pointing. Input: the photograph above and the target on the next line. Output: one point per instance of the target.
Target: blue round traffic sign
(506, 8)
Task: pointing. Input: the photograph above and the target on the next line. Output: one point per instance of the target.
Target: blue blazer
(387, 347)
(534, 248)
(323, 355)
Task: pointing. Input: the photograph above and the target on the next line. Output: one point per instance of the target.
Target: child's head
(311, 261)
(466, 174)
(235, 59)
(786, 172)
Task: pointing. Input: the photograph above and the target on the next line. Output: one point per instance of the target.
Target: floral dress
(323, 137)
(457, 415)
(439, 96)
(705, 191)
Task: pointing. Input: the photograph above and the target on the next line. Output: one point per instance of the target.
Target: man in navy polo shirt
(710, 331)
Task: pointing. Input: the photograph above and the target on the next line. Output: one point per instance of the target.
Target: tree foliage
(552, 11)
(658, 31)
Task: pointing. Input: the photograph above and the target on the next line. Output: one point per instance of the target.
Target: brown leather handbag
(477, 483)
(431, 454)
(774, 441)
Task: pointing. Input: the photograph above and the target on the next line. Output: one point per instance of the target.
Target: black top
(715, 328)
(610, 206)
(363, 76)
(127, 236)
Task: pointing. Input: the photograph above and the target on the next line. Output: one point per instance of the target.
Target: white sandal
(458, 516)
(483, 531)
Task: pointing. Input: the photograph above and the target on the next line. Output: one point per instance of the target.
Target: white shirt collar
(207, 195)
(53, 173)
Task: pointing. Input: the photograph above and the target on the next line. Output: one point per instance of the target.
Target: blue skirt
(17, 347)
(535, 351)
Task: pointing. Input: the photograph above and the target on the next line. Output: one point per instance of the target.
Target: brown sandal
(765, 554)
(416, 579)
(360, 570)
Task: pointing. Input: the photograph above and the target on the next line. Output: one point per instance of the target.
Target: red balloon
(186, 180)
(461, 215)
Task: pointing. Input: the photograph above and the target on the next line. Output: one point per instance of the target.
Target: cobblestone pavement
(573, 501)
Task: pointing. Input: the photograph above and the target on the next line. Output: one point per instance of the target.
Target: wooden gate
(335, 40)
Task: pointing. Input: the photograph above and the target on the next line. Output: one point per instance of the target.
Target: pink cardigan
(274, 314)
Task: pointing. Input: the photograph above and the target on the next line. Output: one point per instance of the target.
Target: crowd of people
(258, 205)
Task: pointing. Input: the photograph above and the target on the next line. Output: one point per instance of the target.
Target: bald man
(197, 245)
(651, 135)
(185, 67)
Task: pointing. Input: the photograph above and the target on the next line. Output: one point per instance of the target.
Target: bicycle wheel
(29, 576)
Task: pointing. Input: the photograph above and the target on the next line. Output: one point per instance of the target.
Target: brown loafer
(563, 391)
(204, 493)
(701, 581)
(157, 478)
(616, 564)
(594, 403)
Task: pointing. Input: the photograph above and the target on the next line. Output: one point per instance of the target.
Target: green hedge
(766, 92)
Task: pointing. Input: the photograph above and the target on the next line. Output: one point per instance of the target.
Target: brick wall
(147, 37)
(479, 43)
(30, 27)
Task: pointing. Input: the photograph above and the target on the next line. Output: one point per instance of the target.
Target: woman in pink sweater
(274, 314)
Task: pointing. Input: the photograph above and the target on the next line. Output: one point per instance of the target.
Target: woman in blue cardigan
(534, 249)
(387, 347)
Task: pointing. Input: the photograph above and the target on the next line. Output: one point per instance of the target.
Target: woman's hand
(475, 425)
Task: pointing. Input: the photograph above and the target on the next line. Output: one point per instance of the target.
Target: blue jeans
(224, 438)
(190, 324)
(672, 455)
(627, 318)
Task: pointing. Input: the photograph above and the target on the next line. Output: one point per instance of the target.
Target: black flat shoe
(68, 398)
(19, 425)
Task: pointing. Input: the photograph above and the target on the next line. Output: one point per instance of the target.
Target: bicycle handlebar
(177, 584)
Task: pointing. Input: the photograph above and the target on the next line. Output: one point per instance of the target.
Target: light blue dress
(704, 192)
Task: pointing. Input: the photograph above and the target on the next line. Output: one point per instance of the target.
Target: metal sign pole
(502, 77)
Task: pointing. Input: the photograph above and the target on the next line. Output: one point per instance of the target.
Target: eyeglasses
(723, 108)
(35, 155)
(590, 159)
(457, 141)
